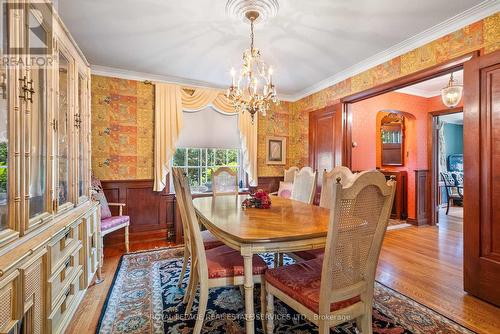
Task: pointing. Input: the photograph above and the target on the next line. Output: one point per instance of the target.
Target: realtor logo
(34, 19)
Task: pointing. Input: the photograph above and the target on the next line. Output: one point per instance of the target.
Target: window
(199, 163)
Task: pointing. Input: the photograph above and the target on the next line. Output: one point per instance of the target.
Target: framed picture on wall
(275, 150)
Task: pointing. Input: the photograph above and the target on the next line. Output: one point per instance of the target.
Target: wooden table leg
(249, 308)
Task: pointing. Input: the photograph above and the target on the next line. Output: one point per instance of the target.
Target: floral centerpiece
(260, 200)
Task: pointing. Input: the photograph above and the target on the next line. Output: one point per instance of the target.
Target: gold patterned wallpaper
(122, 110)
(483, 35)
(122, 129)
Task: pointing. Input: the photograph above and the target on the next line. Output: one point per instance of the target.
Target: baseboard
(418, 222)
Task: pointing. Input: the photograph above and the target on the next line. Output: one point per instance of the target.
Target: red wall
(365, 133)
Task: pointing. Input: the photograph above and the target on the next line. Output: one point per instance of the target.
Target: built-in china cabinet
(49, 244)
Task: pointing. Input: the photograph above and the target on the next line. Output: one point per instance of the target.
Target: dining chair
(339, 286)
(109, 223)
(209, 240)
(326, 201)
(217, 267)
(454, 190)
(286, 186)
(289, 175)
(304, 185)
(224, 182)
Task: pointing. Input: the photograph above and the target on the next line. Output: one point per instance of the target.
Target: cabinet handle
(27, 89)
(78, 121)
(67, 293)
(68, 262)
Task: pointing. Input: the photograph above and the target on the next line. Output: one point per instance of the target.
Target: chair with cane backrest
(326, 200)
(224, 182)
(304, 185)
(209, 240)
(340, 286)
(328, 183)
(217, 267)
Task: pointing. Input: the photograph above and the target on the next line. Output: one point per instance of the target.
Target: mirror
(392, 128)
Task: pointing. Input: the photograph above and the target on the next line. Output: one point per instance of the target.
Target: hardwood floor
(423, 263)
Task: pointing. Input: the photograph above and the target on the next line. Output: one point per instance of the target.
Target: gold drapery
(170, 102)
(168, 125)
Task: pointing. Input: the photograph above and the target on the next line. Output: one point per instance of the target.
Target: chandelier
(452, 94)
(253, 90)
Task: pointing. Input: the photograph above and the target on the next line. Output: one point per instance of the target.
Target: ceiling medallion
(239, 8)
(452, 93)
(253, 90)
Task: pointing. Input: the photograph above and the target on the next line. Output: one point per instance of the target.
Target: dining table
(287, 226)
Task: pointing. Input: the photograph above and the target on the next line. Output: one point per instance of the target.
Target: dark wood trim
(423, 75)
(269, 183)
(411, 79)
(481, 163)
(346, 134)
(400, 205)
(328, 111)
(422, 212)
(326, 137)
(432, 160)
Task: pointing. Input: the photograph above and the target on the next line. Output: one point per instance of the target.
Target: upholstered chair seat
(113, 221)
(302, 281)
(209, 240)
(224, 261)
(109, 223)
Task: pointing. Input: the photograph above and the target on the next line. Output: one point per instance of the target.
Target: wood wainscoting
(268, 183)
(422, 205)
(152, 214)
(400, 206)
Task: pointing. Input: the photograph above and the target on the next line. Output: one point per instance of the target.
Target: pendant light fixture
(452, 94)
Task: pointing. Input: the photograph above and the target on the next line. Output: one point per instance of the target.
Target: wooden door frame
(432, 158)
(450, 66)
(338, 139)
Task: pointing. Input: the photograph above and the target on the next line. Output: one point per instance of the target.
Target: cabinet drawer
(62, 275)
(63, 307)
(8, 298)
(61, 245)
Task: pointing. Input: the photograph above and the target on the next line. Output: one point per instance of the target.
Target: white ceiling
(432, 87)
(456, 118)
(311, 44)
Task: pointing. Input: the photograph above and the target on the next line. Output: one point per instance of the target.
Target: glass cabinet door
(36, 125)
(81, 126)
(4, 131)
(63, 133)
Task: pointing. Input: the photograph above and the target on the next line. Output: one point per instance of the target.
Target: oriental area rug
(145, 298)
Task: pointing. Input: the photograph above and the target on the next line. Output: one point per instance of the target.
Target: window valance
(170, 102)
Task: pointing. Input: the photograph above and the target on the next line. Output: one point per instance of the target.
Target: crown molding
(142, 76)
(474, 14)
(115, 72)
